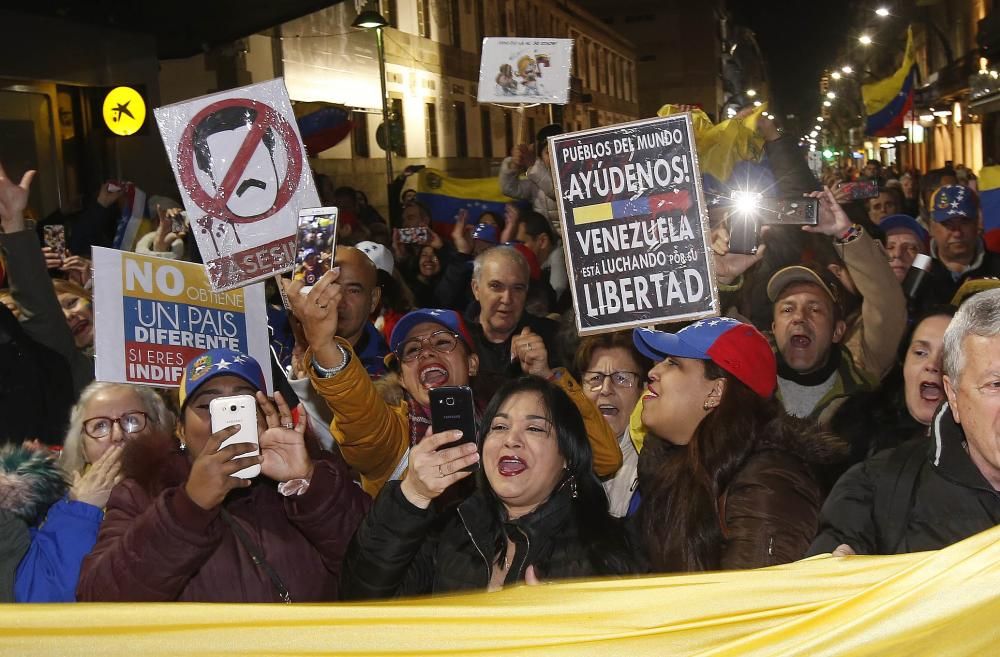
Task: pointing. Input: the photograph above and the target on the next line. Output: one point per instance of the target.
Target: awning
(182, 28)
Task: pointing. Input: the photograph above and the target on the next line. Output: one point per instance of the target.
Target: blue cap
(738, 348)
(486, 233)
(904, 222)
(216, 362)
(953, 202)
(446, 318)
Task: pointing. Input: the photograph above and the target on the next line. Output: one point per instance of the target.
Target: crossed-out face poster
(635, 224)
(525, 70)
(243, 175)
(152, 315)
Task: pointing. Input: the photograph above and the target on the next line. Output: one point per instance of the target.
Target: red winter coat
(157, 545)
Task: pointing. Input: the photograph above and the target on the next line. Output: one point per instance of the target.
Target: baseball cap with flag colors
(216, 362)
(738, 348)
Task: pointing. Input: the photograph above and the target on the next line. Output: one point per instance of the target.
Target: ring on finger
(288, 425)
(440, 471)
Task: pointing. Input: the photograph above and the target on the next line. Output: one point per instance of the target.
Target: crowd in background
(843, 402)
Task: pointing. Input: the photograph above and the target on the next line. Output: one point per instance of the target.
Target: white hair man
(926, 495)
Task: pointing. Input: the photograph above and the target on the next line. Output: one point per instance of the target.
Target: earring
(183, 446)
(572, 487)
(706, 406)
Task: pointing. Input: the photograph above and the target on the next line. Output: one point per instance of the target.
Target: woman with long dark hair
(538, 511)
(725, 474)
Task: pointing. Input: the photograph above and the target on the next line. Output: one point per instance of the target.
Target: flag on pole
(889, 100)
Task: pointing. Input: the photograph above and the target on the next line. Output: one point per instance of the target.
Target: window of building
(456, 23)
(424, 18)
(397, 116)
(486, 131)
(390, 13)
(594, 122)
(432, 130)
(461, 131)
(359, 135)
(480, 23)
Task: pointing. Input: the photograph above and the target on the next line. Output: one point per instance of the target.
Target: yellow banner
(937, 604)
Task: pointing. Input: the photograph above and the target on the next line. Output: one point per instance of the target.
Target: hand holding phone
(437, 462)
(453, 408)
(242, 410)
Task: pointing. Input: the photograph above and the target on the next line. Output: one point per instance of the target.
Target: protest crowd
(840, 400)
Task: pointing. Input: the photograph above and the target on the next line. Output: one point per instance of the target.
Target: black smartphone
(860, 189)
(744, 232)
(452, 407)
(802, 211)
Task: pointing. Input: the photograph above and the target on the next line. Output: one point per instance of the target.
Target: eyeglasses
(595, 380)
(100, 427)
(443, 342)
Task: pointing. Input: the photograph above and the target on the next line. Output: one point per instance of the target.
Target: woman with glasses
(612, 373)
(430, 348)
(182, 526)
(106, 417)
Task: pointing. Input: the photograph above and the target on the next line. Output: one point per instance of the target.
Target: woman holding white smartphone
(184, 527)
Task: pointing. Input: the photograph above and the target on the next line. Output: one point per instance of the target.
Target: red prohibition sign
(266, 118)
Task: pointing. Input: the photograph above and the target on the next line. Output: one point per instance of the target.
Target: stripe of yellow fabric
(892, 606)
(593, 213)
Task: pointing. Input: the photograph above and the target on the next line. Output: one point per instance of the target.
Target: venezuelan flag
(989, 199)
(888, 101)
(322, 125)
(445, 196)
(677, 200)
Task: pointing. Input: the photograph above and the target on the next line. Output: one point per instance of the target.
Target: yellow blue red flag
(444, 196)
(888, 100)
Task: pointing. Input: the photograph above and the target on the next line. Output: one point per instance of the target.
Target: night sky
(798, 39)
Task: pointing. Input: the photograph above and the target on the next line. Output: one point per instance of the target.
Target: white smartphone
(241, 410)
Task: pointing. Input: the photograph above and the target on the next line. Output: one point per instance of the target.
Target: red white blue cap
(738, 348)
(953, 202)
(216, 362)
(447, 318)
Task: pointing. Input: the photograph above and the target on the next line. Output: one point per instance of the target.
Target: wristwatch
(325, 372)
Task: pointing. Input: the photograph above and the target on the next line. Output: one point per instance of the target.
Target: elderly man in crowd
(928, 494)
(957, 250)
(500, 279)
(905, 239)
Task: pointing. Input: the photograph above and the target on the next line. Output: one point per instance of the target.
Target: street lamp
(882, 11)
(847, 70)
(865, 40)
(831, 95)
(835, 75)
(751, 93)
(372, 20)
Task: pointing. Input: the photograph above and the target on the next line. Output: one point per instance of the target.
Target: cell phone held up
(241, 410)
(802, 211)
(55, 239)
(858, 190)
(452, 407)
(414, 235)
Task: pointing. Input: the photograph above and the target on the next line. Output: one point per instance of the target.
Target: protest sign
(243, 174)
(525, 70)
(152, 315)
(635, 224)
